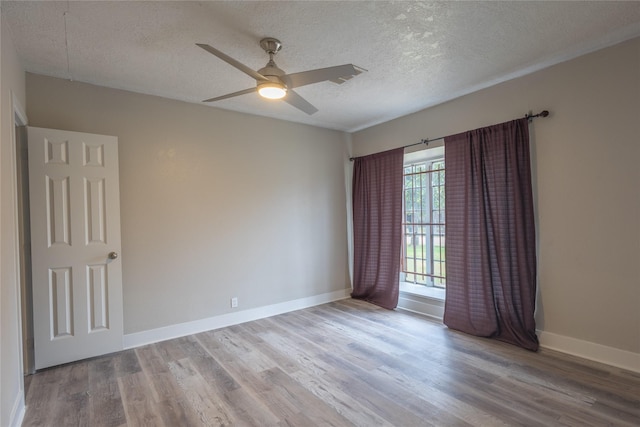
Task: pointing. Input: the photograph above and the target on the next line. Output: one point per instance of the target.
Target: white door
(75, 243)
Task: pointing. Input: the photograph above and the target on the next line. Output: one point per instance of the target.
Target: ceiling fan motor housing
(270, 45)
(272, 73)
(271, 70)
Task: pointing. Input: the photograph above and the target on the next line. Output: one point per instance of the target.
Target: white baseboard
(151, 336)
(589, 350)
(18, 410)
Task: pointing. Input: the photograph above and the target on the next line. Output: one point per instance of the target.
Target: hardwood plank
(163, 384)
(75, 380)
(73, 411)
(177, 412)
(105, 402)
(280, 359)
(314, 331)
(439, 398)
(215, 374)
(138, 403)
(126, 362)
(242, 349)
(199, 396)
(73, 394)
(248, 379)
(106, 407)
(245, 408)
(315, 409)
(312, 357)
(313, 376)
(297, 419)
(341, 401)
(40, 402)
(249, 410)
(175, 349)
(402, 406)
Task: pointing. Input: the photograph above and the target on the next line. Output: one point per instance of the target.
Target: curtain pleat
(490, 234)
(377, 227)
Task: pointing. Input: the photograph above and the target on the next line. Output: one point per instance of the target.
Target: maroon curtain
(377, 227)
(490, 234)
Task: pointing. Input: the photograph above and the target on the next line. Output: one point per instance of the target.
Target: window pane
(423, 254)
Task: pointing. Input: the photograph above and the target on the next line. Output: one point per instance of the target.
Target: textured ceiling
(418, 54)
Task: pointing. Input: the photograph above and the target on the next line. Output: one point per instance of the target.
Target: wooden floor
(344, 363)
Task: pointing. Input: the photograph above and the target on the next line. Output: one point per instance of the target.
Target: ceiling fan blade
(299, 102)
(338, 74)
(239, 65)
(231, 95)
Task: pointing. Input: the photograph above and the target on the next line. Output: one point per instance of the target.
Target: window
(423, 248)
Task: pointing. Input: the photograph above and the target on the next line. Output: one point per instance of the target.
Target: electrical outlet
(234, 302)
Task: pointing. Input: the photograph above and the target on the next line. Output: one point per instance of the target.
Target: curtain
(377, 227)
(490, 234)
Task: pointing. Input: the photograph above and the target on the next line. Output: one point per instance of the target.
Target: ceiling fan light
(272, 90)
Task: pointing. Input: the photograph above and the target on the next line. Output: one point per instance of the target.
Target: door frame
(25, 355)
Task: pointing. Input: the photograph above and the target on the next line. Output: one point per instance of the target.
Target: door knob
(113, 255)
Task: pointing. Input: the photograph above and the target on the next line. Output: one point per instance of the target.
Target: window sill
(423, 291)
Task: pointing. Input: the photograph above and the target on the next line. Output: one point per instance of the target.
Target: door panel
(75, 225)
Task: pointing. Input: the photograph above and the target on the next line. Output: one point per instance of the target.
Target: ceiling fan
(273, 83)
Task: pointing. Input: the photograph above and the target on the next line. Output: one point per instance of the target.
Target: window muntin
(423, 248)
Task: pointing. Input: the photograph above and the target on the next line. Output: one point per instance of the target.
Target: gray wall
(214, 204)
(586, 174)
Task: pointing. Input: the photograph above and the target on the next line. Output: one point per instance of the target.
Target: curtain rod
(528, 116)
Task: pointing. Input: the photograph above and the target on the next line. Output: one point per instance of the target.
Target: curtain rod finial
(530, 116)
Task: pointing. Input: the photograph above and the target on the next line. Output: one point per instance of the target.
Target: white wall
(214, 204)
(11, 386)
(586, 172)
